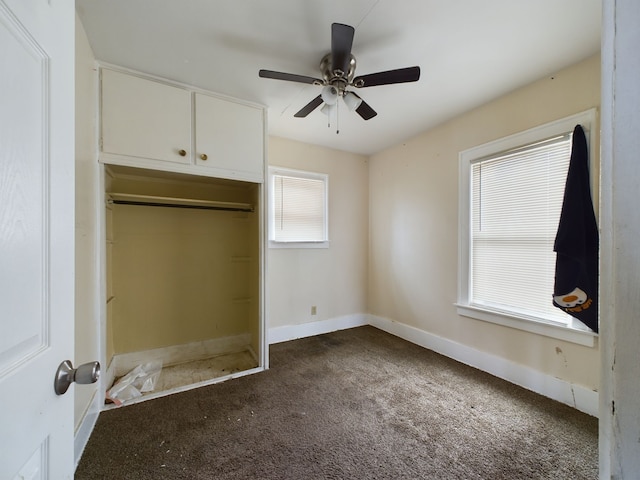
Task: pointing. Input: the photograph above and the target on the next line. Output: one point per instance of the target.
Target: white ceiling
(469, 52)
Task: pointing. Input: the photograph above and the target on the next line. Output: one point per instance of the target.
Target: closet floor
(188, 373)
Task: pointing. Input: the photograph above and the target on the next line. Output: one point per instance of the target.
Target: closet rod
(173, 205)
(171, 202)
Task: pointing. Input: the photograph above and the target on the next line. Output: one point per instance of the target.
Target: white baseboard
(576, 396)
(292, 332)
(83, 432)
(174, 354)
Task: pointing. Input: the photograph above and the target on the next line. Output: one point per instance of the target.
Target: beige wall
(87, 319)
(413, 256)
(333, 279)
(180, 275)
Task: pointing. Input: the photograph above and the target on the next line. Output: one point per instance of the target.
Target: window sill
(572, 334)
(273, 244)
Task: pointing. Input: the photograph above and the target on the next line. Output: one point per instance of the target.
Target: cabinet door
(146, 119)
(229, 136)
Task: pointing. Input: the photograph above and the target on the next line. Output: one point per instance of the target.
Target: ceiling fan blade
(309, 107)
(341, 43)
(365, 110)
(401, 75)
(290, 77)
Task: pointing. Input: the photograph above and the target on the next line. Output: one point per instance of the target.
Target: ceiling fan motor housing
(332, 77)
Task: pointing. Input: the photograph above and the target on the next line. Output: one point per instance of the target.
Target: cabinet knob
(182, 153)
(204, 156)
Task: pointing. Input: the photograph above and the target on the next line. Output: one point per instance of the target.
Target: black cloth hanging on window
(577, 243)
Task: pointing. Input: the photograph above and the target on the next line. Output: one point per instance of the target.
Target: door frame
(109, 372)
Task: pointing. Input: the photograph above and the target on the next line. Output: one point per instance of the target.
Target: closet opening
(183, 278)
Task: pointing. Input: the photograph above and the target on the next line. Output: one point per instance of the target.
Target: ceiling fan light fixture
(352, 101)
(328, 109)
(329, 95)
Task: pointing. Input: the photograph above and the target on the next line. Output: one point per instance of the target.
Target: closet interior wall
(180, 277)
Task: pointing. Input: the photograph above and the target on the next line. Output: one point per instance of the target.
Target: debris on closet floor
(151, 378)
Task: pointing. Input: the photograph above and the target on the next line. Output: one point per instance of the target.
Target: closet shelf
(155, 201)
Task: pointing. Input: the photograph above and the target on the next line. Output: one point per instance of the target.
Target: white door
(36, 236)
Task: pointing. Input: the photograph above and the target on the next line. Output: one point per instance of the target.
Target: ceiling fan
(338, 74)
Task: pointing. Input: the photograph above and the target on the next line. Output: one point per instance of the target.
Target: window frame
(575, 331)
(274, 171)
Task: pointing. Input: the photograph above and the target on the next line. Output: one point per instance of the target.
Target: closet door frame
(263, 355)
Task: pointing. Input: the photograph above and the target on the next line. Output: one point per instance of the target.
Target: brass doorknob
(204, 156)
(182, 153)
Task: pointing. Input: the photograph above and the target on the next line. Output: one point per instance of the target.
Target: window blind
(516, 203)
(299, 209)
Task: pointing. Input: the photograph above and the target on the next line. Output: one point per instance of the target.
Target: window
(511, 193)
(298, 208)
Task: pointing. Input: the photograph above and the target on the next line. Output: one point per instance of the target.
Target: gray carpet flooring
(354, 404)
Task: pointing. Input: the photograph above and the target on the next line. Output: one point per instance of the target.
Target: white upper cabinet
(145, 119)
(228, 135)
(150, 124)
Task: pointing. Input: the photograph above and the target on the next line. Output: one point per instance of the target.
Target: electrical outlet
(314, 310)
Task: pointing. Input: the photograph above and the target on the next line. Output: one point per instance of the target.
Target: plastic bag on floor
(141, 379)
